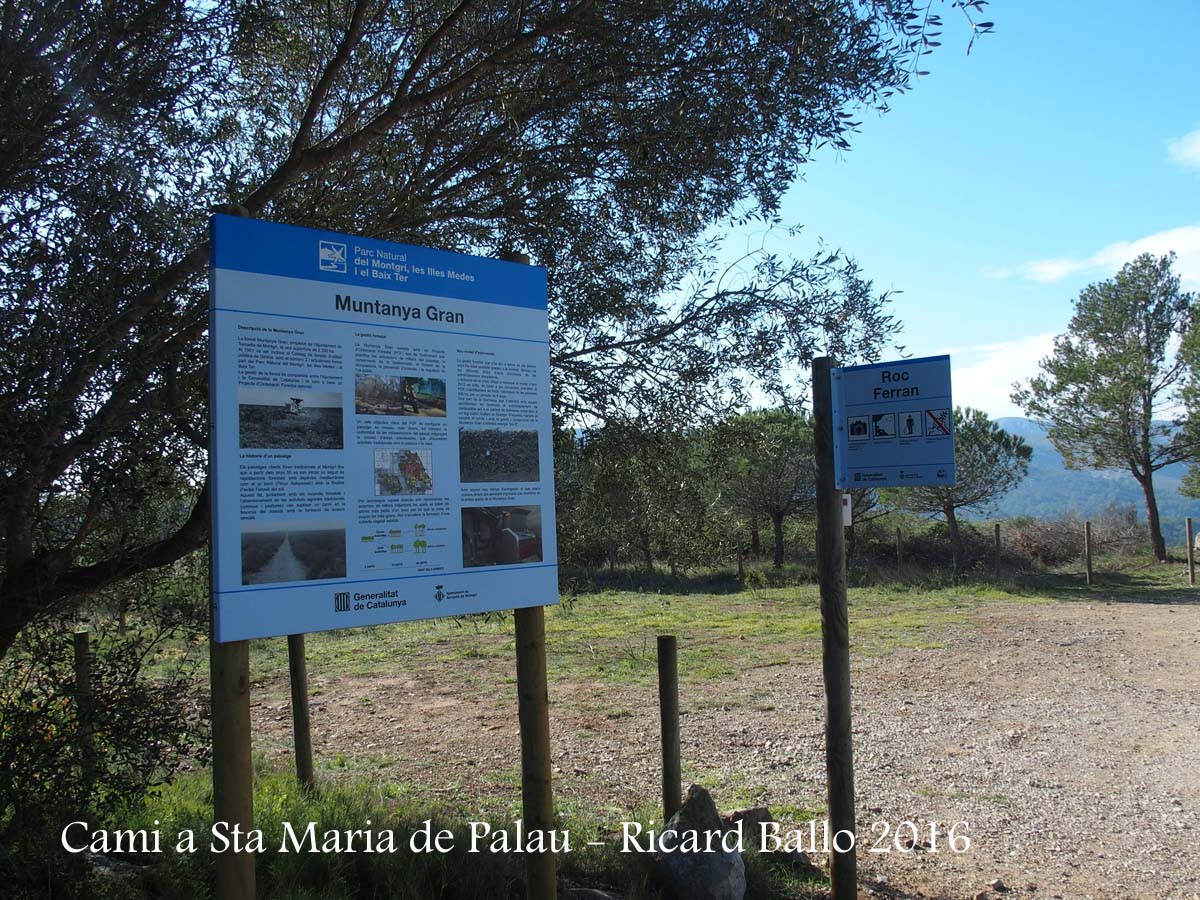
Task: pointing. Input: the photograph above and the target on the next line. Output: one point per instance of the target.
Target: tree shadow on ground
(1111, 587)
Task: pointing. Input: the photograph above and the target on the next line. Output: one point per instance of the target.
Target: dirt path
(283, 566)
(1067, 735)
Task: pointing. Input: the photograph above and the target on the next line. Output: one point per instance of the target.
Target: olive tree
(608, 141)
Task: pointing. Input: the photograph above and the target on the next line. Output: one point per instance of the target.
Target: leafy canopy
(608, 141)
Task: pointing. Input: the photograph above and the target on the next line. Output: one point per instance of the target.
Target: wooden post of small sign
(899, 560)
(301, 722)
(668, 710)
(997, 549)
(84, 709)
(835, 641)
(1087, 549)
(533, 714)
(233, 781)
(1191, 553)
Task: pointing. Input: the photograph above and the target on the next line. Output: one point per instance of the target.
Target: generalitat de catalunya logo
(341, 601)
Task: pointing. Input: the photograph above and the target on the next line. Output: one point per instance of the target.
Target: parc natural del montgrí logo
(331, 256)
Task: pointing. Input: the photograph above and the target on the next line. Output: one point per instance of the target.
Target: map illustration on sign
(381, 438)
(893, 423)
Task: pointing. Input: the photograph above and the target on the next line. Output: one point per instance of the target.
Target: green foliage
(988, 463)
(610, 141)
(142, 718)
(278, 798)
(1106, 391)
(761, 466)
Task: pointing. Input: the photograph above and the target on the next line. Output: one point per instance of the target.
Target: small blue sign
(893, 424)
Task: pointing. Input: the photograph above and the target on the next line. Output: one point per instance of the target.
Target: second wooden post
(835, 643)
(533, 713)
(301, 720)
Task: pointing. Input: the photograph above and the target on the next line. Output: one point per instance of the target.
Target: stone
(685, 867)
(752, 819)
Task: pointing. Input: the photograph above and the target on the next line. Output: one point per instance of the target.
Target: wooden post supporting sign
(301, 721)
(835, 641)
(997, 549)
(233, 776)
(533, 713)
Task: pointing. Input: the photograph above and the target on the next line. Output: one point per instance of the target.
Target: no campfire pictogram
(939, 422)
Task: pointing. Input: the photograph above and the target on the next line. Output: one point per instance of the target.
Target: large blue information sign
(381, 435)
(893, 424)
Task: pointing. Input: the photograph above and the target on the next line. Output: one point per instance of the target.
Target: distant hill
(1051, 489)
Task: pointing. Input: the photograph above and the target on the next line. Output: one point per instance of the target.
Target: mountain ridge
(1051, 489)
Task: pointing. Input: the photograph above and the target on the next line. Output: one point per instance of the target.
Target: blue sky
(1006, 181)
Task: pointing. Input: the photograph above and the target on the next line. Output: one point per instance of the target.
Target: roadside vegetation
(601, 642)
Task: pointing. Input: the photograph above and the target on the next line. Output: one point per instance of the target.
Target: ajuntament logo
(438, 593)
(341, 601)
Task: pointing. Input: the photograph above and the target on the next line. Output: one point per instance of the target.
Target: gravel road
(1066, 735)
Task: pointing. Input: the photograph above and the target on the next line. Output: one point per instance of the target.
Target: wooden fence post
(301, 720)
(84, 709)
(835, 641)
(1191, 553)
(668, 713)
(997, 549)
(233, 774)
(1087, 549)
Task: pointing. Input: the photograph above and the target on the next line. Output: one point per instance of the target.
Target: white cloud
(984, 375)
(1183, 242)
(1185, 151)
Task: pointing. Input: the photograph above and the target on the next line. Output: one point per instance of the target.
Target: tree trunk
(741, 561)
(755, 541)
(956, 544)
(647, 556)
(777, 527)
(1157, 544)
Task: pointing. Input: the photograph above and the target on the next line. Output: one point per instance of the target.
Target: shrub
(145, 725)
(1050, 542)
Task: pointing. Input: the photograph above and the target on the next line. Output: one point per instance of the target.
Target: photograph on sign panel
(501, 535)
(399, 395)
(274, 552)
(496, 454)
(289, 419)
(403, 471)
